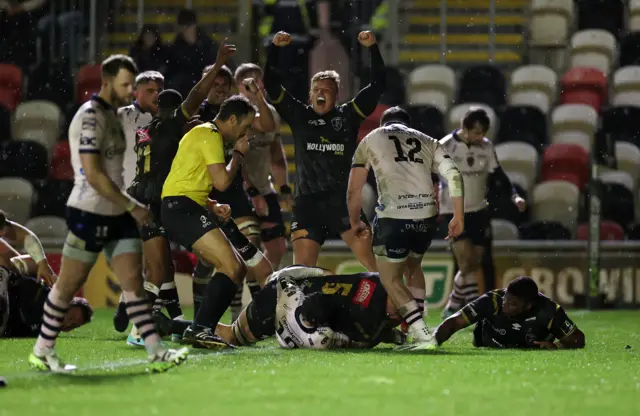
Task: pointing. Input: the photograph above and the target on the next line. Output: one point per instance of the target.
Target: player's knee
(233, 268)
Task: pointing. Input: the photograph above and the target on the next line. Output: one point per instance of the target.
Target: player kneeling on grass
(516, 317)
(309, 307)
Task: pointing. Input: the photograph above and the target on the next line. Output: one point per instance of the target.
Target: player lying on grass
(309, 307)
(516, 317)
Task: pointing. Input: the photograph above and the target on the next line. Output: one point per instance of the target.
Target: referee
(325, 137)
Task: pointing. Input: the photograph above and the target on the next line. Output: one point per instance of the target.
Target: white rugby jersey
(132, 118)
(475, 162)
(291, 332)
(257, 162)
(403, 159)
(96, 129)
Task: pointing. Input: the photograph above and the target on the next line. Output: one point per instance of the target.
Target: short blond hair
(330, 74)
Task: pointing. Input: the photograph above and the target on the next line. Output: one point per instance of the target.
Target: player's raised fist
(225, 51)
(251, 85)
(367, 38)
(281, 39)
(242, 145)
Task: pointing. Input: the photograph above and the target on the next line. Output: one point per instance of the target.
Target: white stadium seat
(593, 48)
(519, 179)
(39, 121)
(16, 198)
(432, 85)
(628, 158)
(533, 85)
(556, 201)
(574, 124)
(619, 177)
(626, 87)
(519, 158)
(504, 230)
(633, 24)
(457, 113)
(551, 22)
(48, 226)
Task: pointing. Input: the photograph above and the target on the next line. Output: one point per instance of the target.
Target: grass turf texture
(264, 379)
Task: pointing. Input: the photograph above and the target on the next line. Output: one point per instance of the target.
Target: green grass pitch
(603, 379)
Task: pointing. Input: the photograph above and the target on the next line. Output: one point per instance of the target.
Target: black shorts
(96, 230)
(155, 228)
(274, 217)
(477, 227)
(237, 199)
(186, 221)
(320, 216)
(261, 311)
(397, 239)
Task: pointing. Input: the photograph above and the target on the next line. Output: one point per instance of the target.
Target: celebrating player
(403, 159)
(220, 91)
(325, 138)
(476, 158)
(516, 317)
(101, 217)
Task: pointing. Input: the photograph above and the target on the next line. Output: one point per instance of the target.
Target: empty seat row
(22, 199)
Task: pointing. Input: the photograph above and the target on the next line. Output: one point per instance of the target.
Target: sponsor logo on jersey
(364, 293)
(318, 122)
(516, 326)
(336, 123)
(143, 135)
(336, 148)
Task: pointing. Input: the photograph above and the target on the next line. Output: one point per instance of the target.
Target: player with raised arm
(220, 91)
(516, 317)
(476, 158)
(101, 218)
(403, 159)
(325, 137)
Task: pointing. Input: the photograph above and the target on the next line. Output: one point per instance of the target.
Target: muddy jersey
(257, 162)
(96, 129)
(132, 118)
(475, 162)
(402, 159)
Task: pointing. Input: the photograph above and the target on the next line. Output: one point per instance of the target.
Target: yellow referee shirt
(189, 177)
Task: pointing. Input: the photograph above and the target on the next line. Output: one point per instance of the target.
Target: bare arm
(264, 121)
(221, 175)
(445, 166)
(357, 179)
(30, 242)
(279, 168)
(98, 180)
(450, 326)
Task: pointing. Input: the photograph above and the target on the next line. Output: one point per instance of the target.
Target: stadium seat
(482, 84)
(574, 124)
(556, 201)
(628, 158)
(519, 180)
(39, 121)
(544, 230)
(432, 85)
(88, 82)
(609, 231)
(457, 113)
(24, 159)
(568, 161)
(61, 168)
(607, 15)
(5, 124)
(630, 49)
(622, 123)
(10, 86)
(593, 49)
(428, 120)
(48, 226)
(618, 204)
(372, 122)
(584, 86)
(504, 230)
(533, 85)
(519, 158)
(523, 124)
(16, 197)
(551, 21)
(633, 232)
(53, 198)
(626, 86)
(618, 177)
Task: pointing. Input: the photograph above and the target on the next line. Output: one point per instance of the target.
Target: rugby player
(220, 91)
(403, 159)
(198, 166)
(100, 217)
(337, 311)
(156, 145)
(516, 317)
(476, 158)
(325, 136)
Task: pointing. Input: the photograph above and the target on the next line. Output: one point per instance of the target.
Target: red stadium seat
(10, 86)
(567, 162)
(61, 168)
(372, 122)
(609, 230)
(88, 82)
(584, 86)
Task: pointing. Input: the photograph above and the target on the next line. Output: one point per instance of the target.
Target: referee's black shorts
(186, 221)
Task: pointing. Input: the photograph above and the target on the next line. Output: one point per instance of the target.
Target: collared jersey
(132, 118)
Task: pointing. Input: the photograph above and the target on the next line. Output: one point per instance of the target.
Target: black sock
(220, 292)
(254, 288)
(201, 276)
(151, 296)
(170, 299)
(178, 326)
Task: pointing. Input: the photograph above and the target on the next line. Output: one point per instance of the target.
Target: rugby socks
(236, 304)
(418, 295)
(170, 299)
(465, 289)
(139, 310)
(55, 308)
(201, 277)
(153, 292)
(254, 288)
(220, 292)
(412, 315)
